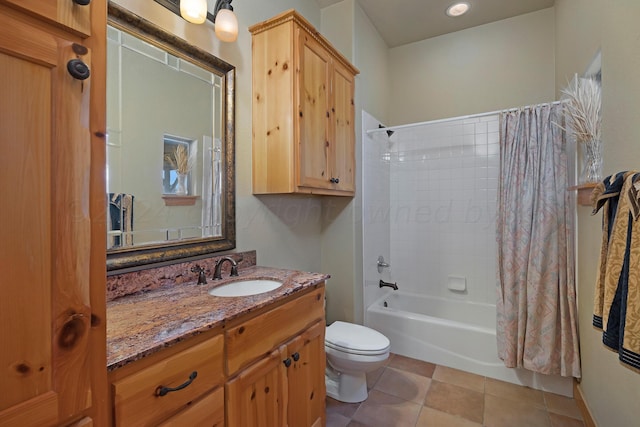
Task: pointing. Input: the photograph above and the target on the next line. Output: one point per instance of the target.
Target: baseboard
(582, 404)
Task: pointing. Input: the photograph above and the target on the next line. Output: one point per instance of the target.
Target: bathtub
(457, 334)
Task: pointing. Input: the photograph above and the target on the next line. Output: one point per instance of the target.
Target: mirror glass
(170, 145)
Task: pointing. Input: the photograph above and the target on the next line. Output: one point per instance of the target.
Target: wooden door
(72, 14)
(45, 237)
(305, 378)
(342, 153)
(257, 396)
(314, 112)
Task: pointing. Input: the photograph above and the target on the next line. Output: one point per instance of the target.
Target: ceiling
(405, 21)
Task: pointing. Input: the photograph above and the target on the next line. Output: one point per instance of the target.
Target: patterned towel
(617, 290)
(605, 196)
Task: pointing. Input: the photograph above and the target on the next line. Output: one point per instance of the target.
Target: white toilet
(352, 351)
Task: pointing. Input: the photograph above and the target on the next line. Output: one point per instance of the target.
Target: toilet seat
(355, 339)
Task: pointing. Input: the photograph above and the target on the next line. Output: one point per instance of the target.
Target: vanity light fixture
(458, 9)
(225, 20)
(195, 11)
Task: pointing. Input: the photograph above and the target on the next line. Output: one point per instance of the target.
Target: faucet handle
(382, 264)
(202, 279)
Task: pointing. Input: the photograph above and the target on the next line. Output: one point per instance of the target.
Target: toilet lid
(352, 338)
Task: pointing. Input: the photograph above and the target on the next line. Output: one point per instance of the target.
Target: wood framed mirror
(170, 112)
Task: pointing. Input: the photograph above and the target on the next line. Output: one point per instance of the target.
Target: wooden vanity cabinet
(303, 110)
(286, 387)
(265, 368)
(52, 257)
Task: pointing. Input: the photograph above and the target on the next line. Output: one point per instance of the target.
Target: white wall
(349, 29)
(486, 68)
(444, 180)
(611, 390)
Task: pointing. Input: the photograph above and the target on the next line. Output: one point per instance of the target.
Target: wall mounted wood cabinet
(52, 309)
(303, 110)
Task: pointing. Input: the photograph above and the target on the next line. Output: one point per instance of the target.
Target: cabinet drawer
(136, 402)
(260, 335)
(206, 412)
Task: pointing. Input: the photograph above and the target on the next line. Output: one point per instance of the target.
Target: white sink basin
(245, 288)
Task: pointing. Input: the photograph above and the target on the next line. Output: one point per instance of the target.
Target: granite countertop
(143, 323)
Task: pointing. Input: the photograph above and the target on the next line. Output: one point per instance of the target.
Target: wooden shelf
(173, 200)
(584, 192)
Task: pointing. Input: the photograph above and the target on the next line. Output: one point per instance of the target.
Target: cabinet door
(343, 156)
(305, 378)
(69, 13)
(314, 112)
(45, 312)
(258, 395)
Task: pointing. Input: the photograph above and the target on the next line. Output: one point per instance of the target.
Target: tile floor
(412, 393)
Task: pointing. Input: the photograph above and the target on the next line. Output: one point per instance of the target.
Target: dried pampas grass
(181, 161)
(583, 108)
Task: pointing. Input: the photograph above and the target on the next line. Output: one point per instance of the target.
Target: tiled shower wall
(443, 189)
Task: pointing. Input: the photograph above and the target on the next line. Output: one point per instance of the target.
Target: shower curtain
(537, 316)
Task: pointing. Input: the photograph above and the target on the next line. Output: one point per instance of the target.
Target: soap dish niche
(457, 284)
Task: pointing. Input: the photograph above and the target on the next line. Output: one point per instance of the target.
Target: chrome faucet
(394, 286)
(217, 271)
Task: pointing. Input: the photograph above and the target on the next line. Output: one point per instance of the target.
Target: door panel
(306, 377)
(65, 12)
(257, 396)
(314, 113)
(343, 147)
(45, 313)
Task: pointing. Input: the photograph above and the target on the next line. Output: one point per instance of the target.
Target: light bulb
(226, 25)
(458, 9)
(194, 11)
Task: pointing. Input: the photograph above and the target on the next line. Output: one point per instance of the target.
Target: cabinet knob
(82, 2)
(335, 180)
(162, 390)
(296, 356)
(287, 362)
(78, 69)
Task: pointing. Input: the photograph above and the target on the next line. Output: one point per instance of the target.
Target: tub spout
(394, 286)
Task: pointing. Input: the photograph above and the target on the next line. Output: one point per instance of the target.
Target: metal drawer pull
(82, 2)
(162, 390)
(287, 362)
(296, 356)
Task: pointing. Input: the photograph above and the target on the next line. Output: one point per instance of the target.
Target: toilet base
(348, 388)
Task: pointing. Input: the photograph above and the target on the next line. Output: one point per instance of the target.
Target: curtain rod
(451, 119)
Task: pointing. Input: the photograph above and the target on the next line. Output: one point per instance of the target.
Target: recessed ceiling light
(458, 9)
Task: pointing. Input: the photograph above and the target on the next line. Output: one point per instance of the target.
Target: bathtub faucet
(394, 286)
